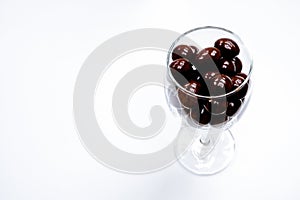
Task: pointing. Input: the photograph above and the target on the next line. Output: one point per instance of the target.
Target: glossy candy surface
(227, 66)
(242, 75)
(207, 59)
(233, 107)
(210, 53)
(216, 106)
(220, 85)
(182, 71)
(228, 47)
(230, 66)
(238, 64)
(194, 49)
(237, 81)
(200, 115)
(187, 98)
(210, 72)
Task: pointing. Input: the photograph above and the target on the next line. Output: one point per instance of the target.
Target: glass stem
(204, 139)
(208, 140)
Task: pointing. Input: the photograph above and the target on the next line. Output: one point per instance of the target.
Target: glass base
(210, 157)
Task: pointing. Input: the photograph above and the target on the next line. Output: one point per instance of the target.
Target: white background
(42, 47)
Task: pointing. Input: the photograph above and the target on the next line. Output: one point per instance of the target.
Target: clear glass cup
(213, 145)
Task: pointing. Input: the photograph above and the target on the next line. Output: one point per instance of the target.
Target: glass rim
(217, 96)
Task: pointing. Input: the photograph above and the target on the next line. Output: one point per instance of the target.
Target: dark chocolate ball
(233, 107)
(182, 51)
(182, 71)
(220, 85)
(237, 81)
(200, 115)
(188, 98)
(216, 106)
(194, 87)
(242, 75)
(210, 53)
(194, 49)
(195, 75)
(206, 59)
(238, 64)
(228, 47)
(209, 75)
(226, 66)
(230, 66)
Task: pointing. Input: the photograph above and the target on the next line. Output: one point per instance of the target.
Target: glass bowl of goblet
(208, 84)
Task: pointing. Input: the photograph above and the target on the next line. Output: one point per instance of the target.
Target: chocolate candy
(208, 76)
(231, 66)
(233, 107)
(216, 106)
(194, 49)
(228, 47)
(182, 71)
(200, 115)
(213, 71)
(206, 59)
(238, 64)
(188, 99)
(242, 75)
(194, 87)
(203, 117)
(237, 81)
(220, 85)
(226, 66)
(182, 51)
(209, 53)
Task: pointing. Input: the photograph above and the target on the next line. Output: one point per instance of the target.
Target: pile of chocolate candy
(206, 77)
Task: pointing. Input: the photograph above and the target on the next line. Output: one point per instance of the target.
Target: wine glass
(196, 90)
